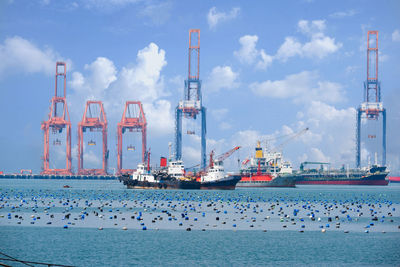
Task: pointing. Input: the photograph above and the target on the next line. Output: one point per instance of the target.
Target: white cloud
(337, 129)
(290, 47)
(141, 81)
(319, 46)
(343, 14)
(396, 36)
(317, 155)
(300, 87)
(160, 118)
(249, 54)
(221, 78)
(108, 4)
(158, 13)
(315, 27)
(265, 61)
(214, 17)
(102, 73)
(20, 55)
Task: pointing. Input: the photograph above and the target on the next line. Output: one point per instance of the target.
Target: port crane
(133, 120)
(292, 137)
(221, 157)
(191, 107)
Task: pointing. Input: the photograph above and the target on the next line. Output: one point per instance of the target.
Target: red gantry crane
(95, 120)
(133, 120)
(58, 121)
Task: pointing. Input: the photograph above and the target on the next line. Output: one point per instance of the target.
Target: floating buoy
(323, 230)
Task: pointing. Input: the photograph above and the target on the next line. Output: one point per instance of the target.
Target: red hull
(258, 178)
(394, 179)
(347, 182)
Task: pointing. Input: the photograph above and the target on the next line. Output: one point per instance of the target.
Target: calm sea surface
(87, 246)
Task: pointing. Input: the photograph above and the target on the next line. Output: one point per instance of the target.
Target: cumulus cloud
(214, 17)
(337, 128)
(221, 77)
(140, 81)
(249, 54)
(101, 73)
(300, 87)
(319, 46)
(20, 55)
(396, 36)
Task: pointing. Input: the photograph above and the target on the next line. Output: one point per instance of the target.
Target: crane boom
(227, 154)
(281, 145)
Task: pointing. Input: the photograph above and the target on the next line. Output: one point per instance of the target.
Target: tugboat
(141, 178)
(268, 171)
(174, 177)
(165, 178)
(216, 178)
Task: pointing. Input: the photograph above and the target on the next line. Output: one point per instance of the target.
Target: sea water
(253, 241)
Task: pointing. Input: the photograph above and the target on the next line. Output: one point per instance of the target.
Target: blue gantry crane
(372, 106)
(191, 106)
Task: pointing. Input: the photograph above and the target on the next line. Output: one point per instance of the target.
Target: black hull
(373, 179)
(161, 184)
(222, 185)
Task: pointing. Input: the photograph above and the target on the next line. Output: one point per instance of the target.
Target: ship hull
(226, 184)
(163, 184)
(344, 182)
(394, 179)
(279, 181)
(375, 179)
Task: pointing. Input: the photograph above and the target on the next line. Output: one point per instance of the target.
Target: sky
(267, 71)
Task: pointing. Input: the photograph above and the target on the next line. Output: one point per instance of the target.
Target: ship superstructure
(266, 170)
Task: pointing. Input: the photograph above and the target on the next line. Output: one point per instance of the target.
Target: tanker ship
(372, 175)
(266, 171)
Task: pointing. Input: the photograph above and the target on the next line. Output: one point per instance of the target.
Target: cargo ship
(266, 171)
(216, 178)
(373, 175)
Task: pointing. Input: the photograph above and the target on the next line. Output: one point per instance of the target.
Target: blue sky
(267, 70)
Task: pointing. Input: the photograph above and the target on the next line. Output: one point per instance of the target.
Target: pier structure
(94, 120)
(191, 106)
(371, 111)
(57, 122)
(133, 120)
